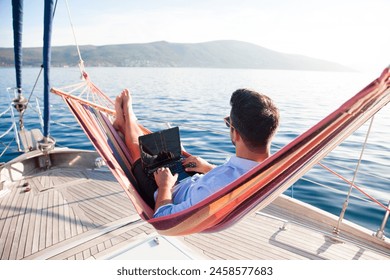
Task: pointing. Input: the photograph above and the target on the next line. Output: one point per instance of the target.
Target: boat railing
(381, 231)
(9, 113)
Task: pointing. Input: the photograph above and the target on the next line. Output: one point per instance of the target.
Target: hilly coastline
(215, 54)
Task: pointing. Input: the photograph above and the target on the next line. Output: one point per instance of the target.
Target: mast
(48, 18)
(17, 22)
(19, 102)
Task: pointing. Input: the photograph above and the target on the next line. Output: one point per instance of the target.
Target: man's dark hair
(255, 117)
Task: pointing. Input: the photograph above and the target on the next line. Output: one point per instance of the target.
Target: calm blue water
(198, 99)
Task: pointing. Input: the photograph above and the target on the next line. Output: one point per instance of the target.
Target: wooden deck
(266, 236)
(84, 214)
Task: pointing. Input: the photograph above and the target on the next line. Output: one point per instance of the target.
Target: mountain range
(214, 54)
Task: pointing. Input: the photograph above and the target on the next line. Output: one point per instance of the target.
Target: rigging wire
(7, 147)
(81, 62)
(55, 8)
(13, 126)
(17, 140)
(5, 112)
(8, 131)
(32, 90)
(352, 183)
(360, 172)
(333, 189)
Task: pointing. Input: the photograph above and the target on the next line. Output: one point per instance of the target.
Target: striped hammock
(252, 191)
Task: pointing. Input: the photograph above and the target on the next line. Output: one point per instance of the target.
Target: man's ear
(235, 135)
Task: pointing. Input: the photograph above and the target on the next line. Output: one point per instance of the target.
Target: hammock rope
(81, 61)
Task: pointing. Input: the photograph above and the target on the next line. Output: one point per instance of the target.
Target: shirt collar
(242, 162)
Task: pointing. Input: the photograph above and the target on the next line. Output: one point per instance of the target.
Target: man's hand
(164, 178)
(165, 182)
(197, 164)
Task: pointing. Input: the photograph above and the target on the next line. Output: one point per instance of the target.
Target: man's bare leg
(119, 122)
(127, 124)
(130, 129)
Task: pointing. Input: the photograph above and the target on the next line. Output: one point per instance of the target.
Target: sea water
(197, 100)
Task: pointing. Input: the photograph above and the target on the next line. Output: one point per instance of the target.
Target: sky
(354, 33)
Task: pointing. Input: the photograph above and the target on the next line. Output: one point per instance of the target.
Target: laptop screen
(160, 147)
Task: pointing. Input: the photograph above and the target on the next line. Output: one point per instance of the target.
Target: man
(253, 121)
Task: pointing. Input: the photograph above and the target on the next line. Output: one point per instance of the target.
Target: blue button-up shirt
(198, 187)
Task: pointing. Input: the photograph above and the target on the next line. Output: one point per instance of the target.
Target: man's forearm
(164, 196)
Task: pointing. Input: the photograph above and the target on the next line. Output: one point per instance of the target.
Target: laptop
(162, 149)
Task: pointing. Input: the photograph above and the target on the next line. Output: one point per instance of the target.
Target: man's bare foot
(128, 106)
(120, 118)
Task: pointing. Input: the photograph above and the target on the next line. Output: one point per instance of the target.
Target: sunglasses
(228, 122)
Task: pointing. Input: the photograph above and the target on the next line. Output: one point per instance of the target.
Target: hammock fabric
(252, 191)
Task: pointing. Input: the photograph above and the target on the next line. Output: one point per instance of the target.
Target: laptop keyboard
(176, 167)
